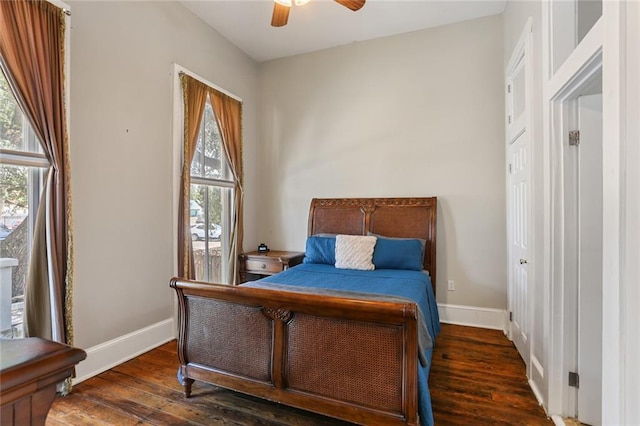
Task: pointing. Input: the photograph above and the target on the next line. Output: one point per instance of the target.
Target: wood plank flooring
(477, 378)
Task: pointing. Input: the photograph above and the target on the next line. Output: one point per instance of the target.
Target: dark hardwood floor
(477, 378)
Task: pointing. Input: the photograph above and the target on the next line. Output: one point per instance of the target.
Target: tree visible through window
(22, 166)
(212, 186)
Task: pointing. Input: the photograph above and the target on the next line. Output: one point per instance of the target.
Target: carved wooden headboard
(391, 217)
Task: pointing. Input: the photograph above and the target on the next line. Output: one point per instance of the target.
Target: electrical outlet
(450, 285)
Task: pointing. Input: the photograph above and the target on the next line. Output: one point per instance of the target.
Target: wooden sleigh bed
(350, 358)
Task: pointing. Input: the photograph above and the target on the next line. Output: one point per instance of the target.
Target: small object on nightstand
(262, 248)
(255, 264)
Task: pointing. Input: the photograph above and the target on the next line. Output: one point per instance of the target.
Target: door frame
(590, 257)
(621, 236)
(513, 129)
(621, 186)
(562, 91)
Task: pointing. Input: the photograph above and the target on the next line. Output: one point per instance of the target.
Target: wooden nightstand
(255, 265)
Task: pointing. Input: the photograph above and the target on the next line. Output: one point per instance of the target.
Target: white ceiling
(321, 24)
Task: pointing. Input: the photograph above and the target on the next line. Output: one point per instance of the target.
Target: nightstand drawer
(269, 266)
(255, 265)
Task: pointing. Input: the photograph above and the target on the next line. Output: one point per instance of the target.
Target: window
(22, 169)
(211, 195)
(208, 179)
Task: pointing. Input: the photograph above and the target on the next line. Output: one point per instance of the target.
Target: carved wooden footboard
(347, 358)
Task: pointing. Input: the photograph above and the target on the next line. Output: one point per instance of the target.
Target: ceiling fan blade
(280, 15)
(352, 4)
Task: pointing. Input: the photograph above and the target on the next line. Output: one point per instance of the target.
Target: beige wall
(121, 153)
(418, 114)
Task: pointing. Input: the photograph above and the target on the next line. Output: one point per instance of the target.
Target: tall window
(212, 186)
(22, 168)
(209, 203)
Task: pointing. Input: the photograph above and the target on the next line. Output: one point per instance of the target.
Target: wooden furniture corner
(30, 369)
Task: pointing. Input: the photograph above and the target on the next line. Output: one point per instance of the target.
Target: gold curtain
(194, 95)
(228, 112)
(32, 58)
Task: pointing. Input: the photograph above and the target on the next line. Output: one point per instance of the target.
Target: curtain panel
(32, 59)
(228, 113)
(194, 94)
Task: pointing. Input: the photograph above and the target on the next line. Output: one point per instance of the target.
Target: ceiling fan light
(284, 2)
(301, 2)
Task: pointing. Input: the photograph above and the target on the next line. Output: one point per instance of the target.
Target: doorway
(576, 327)
(589, 356)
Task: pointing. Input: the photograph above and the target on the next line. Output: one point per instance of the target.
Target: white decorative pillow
(355, 252)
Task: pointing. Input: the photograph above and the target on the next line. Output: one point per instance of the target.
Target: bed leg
(185, 382)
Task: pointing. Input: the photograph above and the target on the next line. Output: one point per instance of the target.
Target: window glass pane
(570, 22)
(14, 245)
(197, 163)
(15, 131)
(209, 160)
(11, 135)
(589, 11)
(208, 226)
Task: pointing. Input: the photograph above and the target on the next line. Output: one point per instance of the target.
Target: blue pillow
(320, 250)
(394, 253)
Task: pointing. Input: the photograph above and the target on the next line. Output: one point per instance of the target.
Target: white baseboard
(536, 392)
(472, 316)
(536, 380)
(107, 355)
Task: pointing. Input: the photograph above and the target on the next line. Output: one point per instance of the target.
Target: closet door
(519, 230)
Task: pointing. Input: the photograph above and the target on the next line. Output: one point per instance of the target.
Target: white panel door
(518, 243)
(518, 136)
(590, 261)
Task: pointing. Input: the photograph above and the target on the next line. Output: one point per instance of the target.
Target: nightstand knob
(264, 266)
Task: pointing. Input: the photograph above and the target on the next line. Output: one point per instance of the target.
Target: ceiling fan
(281, 9)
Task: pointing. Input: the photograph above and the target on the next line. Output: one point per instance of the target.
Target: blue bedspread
(414, 285)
